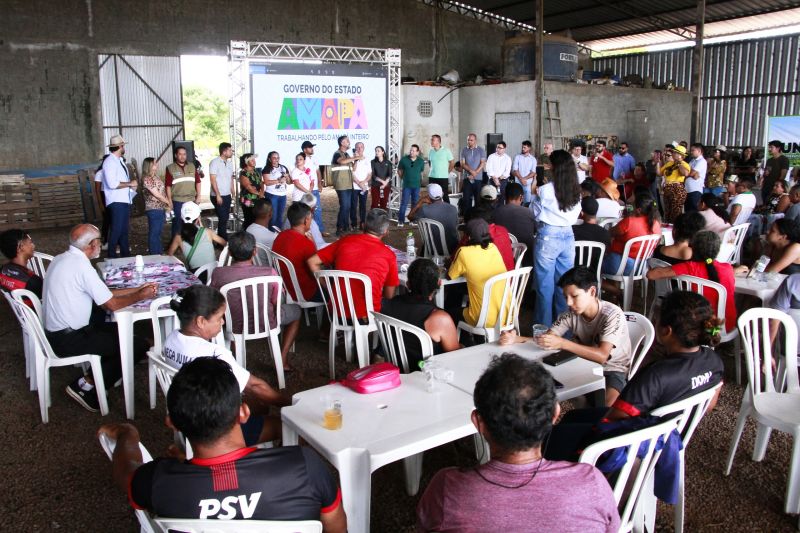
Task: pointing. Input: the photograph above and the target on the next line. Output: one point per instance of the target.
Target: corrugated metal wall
(744, 82)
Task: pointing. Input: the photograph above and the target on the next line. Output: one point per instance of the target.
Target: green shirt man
(410, 169)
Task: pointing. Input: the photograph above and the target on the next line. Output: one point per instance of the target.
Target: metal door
(638, 134)
(515, 127)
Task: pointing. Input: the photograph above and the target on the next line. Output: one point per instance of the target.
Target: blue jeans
(177, 223)
(278, 207)
(155, 223)
(343, 218)
(554, 253)
(692, 202)
(716, 191)
(358, 208)
(120, 221)
(318, 211)
(223, 214)
(526, 191)
(408, 194)
(611, 264)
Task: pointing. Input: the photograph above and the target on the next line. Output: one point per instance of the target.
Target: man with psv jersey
(224, 480)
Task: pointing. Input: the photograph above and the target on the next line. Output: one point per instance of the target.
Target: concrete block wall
(49, 96)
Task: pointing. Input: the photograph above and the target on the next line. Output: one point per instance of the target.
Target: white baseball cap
(435, 190)
(190, 211)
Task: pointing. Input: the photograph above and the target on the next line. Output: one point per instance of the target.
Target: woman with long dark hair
(715, 214)
(381, 185)
(643, 220)
(556, 206)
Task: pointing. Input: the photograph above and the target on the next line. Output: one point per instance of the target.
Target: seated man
(518, 220)
(316, 235)
(242, 249)
(793, 213)
(417, 308)
(515, 406)
(743, 203)
(18, 248)
(434, 208)
(71, 287)
(287, 483)
(365, 254)
(295, 245)
(262, 211)
(599, 330)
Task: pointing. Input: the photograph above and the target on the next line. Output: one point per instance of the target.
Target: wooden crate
(42, 203)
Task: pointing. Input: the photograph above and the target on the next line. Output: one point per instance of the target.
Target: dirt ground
(57, 477)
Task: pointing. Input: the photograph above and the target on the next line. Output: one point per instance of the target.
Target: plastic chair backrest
(743, 216)
(254, 296)
(628, 485)
(28, 299)
(39, 263)
(433, 238)
(391, 332)
(31, 323)
(735, 236)
(608, 222)
(159, 308)
(754, 326)
(691, 409)
(642, 334)
(585, 252)
(648, 244)
(224, 258)
(519, 249)
(286, 269)
(262, 255)
(337, 287)
(164, 371)
(514, 283)
(513, 238)
(207, 270)
(700, 286)
(187, 525)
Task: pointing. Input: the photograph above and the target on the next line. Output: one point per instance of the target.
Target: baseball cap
(190, 211)
(306, 144)
(435, 191)
(489, 192)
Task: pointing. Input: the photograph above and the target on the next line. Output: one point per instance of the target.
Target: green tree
(206, 117)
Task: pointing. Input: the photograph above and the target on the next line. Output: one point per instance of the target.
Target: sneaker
(399, 224)
(87, 399)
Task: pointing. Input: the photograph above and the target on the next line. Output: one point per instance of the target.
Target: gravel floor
(57, 477)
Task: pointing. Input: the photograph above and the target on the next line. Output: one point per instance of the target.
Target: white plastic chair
(208, 270)
(661, 287)
(262, 255)
(762, 401)
(700, 286)
(391, 333)
(691, 411)
(743, 216)
(29, 348)
(631, 478)
(432, 232)
(585, 253)
(46, 359)
(39, 263)
(648, 244)
(609, 222)
(519, 249)
(146, 523)
(732, 243)
(225, 258)
(187, 525)
(513, 238)
(514, 283)
(337, 288)
(286, 268)
(163, 321)
(642, 334)
(249, 290)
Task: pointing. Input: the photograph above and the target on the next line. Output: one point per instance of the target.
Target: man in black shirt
(775, 168)
(590, 230)
(518, 220)
(224, 480)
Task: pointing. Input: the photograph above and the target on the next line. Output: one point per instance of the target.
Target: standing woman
(276, 176)
(381, 185)
(746, 164)
(717, 168)
(155, 202)
(302, 178)
(252, 187)
(674, 173)
(556, 206)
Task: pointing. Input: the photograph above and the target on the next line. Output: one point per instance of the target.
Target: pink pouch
(373, 378)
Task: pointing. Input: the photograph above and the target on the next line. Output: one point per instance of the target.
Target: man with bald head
(73, 322)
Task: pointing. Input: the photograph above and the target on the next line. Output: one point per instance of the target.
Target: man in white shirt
(222, 170)
(119, 191)
(581, 161)
(311, 163)
(696, 179)
(262, 211)
(524, 170)
(72, 289)
(498, 167)
(743, 203)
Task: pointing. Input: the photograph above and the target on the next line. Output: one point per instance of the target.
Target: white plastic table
(125, 318)
(763, 290)
(578, 376)
(378, 429)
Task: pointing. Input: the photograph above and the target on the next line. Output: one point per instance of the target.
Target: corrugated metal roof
(593, 20)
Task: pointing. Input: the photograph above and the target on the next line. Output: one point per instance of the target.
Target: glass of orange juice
(332, 414)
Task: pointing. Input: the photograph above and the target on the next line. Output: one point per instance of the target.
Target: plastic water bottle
(435, 374)
(761, 267)
(138, 277)
(411, 248)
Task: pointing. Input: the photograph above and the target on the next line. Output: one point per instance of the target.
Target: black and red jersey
(288, 483)
(14, 276)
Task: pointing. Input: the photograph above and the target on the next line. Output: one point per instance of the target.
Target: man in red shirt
(602, 162)
(295, 245)
(365, 254)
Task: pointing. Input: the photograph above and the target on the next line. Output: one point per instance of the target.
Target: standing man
(362, 175)
(624, 163)
(409, 169)
(498, 167)
(311, 164)
(473, 161)
(602, 162)
(545, 161)
(775, 169)
(524, 170)
(222, 170)
(696, 179)
(342, 172)
(442, 164)
(581, 163)
(183, 185)
(119, 190)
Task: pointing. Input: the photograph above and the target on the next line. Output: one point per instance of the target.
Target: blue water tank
(560, 58)
(519, 58)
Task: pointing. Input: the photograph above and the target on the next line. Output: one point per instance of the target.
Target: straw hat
(609, 186)
(116, 140)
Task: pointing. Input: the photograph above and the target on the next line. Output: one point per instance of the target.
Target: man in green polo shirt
(442, 164)
(409, 169)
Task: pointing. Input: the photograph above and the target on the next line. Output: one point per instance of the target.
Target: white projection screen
(296, 102)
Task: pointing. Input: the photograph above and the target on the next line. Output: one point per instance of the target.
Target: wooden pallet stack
(36, 203)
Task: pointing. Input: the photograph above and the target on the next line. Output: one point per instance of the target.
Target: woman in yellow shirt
(477, 261)
(674, 173)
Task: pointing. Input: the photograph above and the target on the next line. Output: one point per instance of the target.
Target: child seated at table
(195, 241)
(201, 313)
(599, 330)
